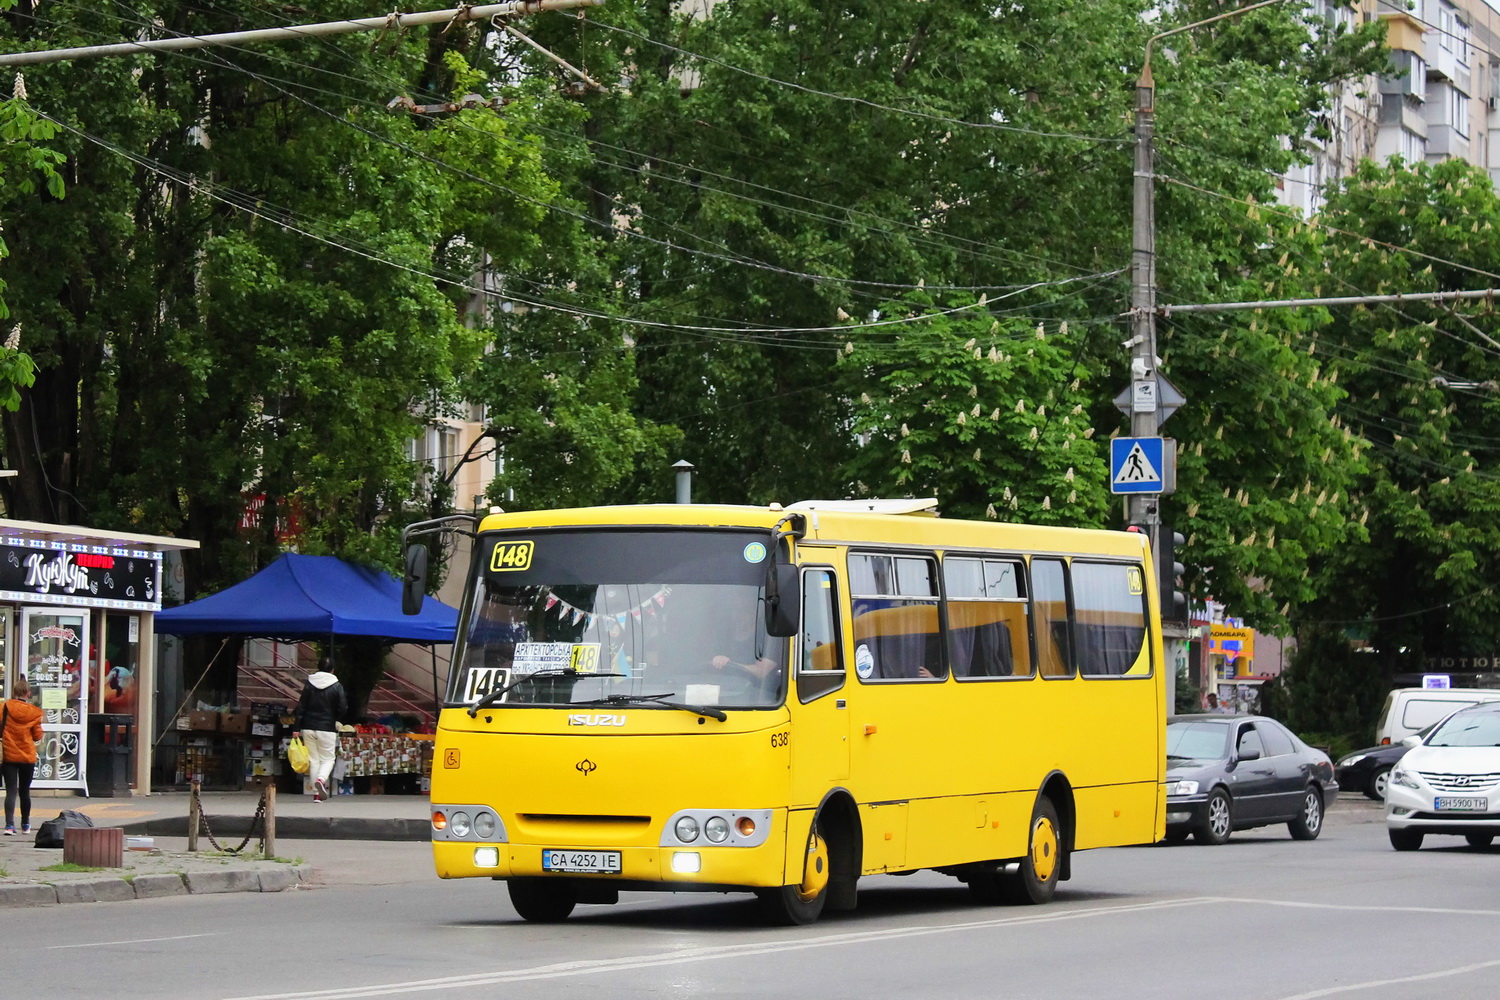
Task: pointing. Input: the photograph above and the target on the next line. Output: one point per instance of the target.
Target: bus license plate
(1449, 804)
(598, 862)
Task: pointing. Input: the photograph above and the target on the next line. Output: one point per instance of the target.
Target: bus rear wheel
(1035, 878)
(792, 905)
(542, 900)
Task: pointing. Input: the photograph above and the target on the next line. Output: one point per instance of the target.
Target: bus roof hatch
(926, 506)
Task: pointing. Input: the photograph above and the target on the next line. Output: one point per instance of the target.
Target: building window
(1459, 108)
(1413, 147)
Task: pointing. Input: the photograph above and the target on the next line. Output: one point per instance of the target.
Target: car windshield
(1197, 740)
(611, 617)
(1467, 729)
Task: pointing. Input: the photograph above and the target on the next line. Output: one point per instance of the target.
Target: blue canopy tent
(312, 597)
(301, 597)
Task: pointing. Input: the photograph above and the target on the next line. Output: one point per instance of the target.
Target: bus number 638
(780, 739)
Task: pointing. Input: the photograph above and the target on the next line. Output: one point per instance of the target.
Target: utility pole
(390, 22)
(1150, 398)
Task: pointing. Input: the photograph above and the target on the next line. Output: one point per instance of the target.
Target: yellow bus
(781, 701)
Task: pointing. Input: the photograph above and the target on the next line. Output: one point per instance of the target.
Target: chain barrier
(256, 822)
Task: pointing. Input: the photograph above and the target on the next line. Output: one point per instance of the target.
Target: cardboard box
(262, 729)
(234, 722)
(199, 722)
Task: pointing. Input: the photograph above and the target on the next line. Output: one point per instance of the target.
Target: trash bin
(109, 744)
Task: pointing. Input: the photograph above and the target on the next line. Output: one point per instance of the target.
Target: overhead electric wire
(944, 119)
(935, 238)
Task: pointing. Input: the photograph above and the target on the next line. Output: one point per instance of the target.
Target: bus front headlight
(716, 829)
(687, 829)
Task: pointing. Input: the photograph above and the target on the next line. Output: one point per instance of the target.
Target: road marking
(687, 955)
(1377, 983)
(1361, 909)
(106, 944)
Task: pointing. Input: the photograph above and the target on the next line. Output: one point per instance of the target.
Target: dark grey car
(1234, 772)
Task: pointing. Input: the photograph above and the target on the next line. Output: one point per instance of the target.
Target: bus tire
(1035, 878)
(542, 900)
(795, 905)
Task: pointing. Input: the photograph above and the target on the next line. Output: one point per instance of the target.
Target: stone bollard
(94, 847)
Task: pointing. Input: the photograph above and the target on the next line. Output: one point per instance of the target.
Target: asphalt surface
(1262, 917)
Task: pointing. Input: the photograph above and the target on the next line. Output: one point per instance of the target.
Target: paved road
(1261, 917)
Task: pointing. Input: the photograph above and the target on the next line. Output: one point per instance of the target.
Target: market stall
(300, 598)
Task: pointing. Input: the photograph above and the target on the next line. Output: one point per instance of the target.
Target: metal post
(195, 819)
(268, 839)
(684, 481)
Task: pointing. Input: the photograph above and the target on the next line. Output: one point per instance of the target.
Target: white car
(1449, 783)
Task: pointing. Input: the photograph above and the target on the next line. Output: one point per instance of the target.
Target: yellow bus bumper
(763, 866)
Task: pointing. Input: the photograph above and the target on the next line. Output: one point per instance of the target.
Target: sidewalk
(170, 870)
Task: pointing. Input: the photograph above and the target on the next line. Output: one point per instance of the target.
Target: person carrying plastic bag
(322, 705)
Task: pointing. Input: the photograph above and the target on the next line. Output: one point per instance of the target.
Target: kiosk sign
(88, 576)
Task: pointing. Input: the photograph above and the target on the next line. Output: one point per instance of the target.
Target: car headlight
(1353, 758)
(1404, 778)
(687, 829)
(1182, 788)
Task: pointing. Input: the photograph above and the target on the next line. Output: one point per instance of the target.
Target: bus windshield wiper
(499, 693)
(658, 699)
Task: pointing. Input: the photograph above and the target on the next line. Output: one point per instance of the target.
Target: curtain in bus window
(1109, 608)
(1049, 591)
(987, 632)
(901, 638)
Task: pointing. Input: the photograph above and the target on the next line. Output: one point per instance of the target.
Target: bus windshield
(619, 617)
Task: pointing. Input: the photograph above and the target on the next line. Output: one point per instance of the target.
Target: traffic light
(1174, 603)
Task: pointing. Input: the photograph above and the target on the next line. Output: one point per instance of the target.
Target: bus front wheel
(802, 903)
(542, 900)
(1035, 878)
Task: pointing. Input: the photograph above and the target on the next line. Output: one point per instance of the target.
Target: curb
(292, 828)
(110, 890)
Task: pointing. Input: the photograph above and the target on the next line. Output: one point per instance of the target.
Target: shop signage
(81, 575)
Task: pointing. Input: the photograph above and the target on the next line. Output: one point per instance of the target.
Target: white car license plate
(598, 862)
(1446, 803)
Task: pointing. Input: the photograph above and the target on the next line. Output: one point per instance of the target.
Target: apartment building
(1440, 100)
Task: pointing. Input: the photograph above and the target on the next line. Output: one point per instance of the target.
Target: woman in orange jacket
(21, 728)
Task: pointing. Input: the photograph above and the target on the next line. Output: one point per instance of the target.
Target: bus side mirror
(414, 581)
(783, 600)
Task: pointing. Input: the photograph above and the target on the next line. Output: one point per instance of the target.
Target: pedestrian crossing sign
(1137, 465)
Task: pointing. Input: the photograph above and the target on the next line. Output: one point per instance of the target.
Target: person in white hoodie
(322, 705)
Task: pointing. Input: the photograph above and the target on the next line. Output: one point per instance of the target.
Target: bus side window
(1109, 607)
(821, 654)
(896, 631)
(1054, 641)
(988, 635)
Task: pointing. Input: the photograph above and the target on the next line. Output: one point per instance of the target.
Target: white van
(1411, 710)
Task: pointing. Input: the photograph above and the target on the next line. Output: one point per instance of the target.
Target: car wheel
(1218, 820)
(1308, 823)
(1406, 840)
(1480, 839)
(1379, 781)
(1178, 836)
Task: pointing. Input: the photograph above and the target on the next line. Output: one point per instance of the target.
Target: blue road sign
(1136, 465)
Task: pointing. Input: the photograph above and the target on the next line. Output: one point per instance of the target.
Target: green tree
(262, 282)
(1422, 401)
(772, 175)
